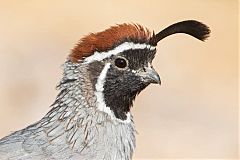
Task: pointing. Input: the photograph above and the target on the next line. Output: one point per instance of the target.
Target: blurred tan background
(194, 114)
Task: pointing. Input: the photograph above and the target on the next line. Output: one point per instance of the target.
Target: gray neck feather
(75, 123)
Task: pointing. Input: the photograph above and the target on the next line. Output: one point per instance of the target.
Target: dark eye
(120, 62)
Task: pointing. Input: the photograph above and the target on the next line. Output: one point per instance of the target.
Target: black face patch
(120, 89)
(122, 85)
(138, 58)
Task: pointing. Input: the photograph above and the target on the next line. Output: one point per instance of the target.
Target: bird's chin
(142, 87)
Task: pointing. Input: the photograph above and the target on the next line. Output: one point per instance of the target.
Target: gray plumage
(73, 129)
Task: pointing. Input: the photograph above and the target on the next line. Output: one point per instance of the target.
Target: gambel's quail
(90, 118)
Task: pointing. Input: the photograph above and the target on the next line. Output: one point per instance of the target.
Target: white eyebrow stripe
(98, 56)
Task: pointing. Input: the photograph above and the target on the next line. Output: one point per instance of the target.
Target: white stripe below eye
(98, 56)
(101, 105)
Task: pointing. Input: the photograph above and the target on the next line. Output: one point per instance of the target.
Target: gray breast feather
(93, 138)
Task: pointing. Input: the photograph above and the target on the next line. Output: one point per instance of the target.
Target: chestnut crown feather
(108, 39)
(115, 35)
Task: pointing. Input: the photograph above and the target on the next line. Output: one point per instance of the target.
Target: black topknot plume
(191, 27)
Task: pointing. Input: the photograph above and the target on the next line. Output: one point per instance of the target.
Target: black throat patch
(120, 89)
(122, 85)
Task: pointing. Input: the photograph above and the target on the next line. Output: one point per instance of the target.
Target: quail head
(90, 118)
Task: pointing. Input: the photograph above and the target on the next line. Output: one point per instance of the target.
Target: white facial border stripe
(98, 56)
(101, 105)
